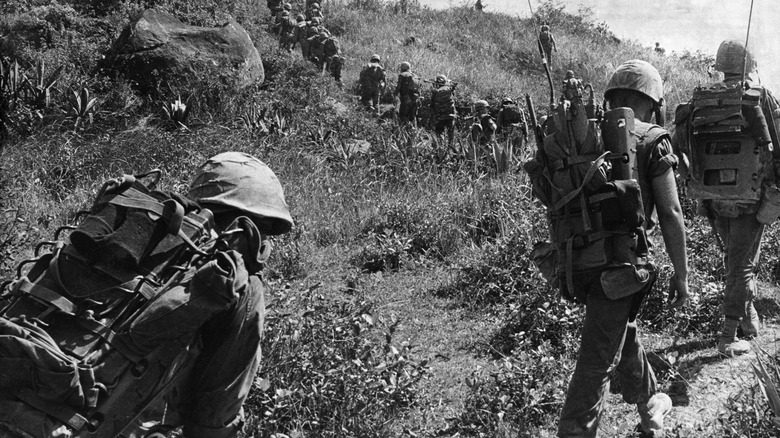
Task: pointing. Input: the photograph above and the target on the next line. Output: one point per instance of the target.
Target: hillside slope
(404, 302)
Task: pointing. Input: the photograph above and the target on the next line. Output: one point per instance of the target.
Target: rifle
(536, 127)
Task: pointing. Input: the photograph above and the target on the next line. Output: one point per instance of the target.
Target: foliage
(332, 369)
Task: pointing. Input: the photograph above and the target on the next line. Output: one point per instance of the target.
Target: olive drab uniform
(599, 208)
(483, 130)
(408, 90)
(546, 43)
(372, 82)
(301, 28)
(443, 112)
(335, 65)
(727, 137)
(317, 50)
(287, 28)
(275, 6)
(330, 48)
(139, 356)
(312, 30)
(511, 124)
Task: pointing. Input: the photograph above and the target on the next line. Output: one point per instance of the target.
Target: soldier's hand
(678, 291)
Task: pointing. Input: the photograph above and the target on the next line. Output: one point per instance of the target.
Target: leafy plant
(503, 156)
(41, 88)
(177, 112)
(82, 106)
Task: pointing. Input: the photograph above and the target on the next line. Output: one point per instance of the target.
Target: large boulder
(157, 46)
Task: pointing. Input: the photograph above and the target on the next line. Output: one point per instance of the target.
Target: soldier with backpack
(335, 65)
(483, 129)
(600, 192)
(372, 83)
(317, 48)
(510, 122)
(150, 315)
(443, 112)
(727, 139)
(331, 48)
(546, 42)
(408, 91)
(287, 27)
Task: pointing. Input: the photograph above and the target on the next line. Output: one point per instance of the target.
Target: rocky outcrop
(158, 47)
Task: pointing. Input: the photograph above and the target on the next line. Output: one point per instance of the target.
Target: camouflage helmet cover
(235, 180)
(405, 66)
(316, 21)
(375, 58)
(287, 7)
(441, 79)
(285, 13)
(480, 104)
(507, 101)
(314, 5)
(300, 17)
(639, 76)
(569, 74)
(545, 28)
(733, 58)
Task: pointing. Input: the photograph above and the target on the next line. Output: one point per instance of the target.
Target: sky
(677, 24)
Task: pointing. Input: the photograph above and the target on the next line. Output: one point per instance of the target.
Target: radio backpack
(585, 175)
(727, 142)
(91, 338)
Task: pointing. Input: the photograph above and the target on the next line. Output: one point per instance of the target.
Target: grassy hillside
(404, 301)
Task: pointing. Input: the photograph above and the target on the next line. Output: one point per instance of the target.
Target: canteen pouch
(769, 210)
(545, 259)
(625, 280)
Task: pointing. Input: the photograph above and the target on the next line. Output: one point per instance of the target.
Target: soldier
(314, 12)
(335, 64)
(275, 6)
(235, 186)
(408, 91)
(317, 48)
(479, 6)
(331, 48)
(737, 214)
(610, 342)
(658, 49)
(300, 35)
(312, 30)
(287, 27)
(511, 122)
(372, 83)
(443, 112)
(546, 43)
(483, 129)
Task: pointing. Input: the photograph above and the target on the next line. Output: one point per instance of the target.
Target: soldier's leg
(413, 112)
(742, 238)
(603, 334)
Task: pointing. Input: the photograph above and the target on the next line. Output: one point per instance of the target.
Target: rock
(159, 46)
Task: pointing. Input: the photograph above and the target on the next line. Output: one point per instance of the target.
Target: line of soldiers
(316, 42)
(509, 123)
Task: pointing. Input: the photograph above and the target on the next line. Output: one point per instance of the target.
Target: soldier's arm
(670, 217)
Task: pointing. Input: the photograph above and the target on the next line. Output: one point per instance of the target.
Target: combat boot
(652, 413)
(728, 344)
(751, 324)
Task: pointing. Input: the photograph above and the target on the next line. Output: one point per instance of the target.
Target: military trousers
(741, 238)
(407, 110)
(609, 343)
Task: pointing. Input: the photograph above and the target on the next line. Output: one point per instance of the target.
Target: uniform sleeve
(661, 158)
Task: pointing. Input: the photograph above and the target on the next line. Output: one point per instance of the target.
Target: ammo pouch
(769, 209)
(628, 280)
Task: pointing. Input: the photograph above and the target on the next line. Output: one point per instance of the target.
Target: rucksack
(727, 142)
(407, 84)
(443, 101)
(331, 47)
(585, 174)
(511, 114)
(71, 324)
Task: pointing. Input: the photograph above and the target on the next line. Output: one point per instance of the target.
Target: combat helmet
(405, 66)
(235, 180)
(639, 76)
(314, 5)
(375, 58)
(300, 18)
(507, 101)
(480, 105)
(440, 80)
(733, 58)
(287, 7)
(545, 28)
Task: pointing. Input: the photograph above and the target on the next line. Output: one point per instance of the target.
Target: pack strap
(572, 160)
(588, 175)
(48, 296)
(59, 411)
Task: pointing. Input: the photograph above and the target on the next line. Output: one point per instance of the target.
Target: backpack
(81, 328)
(407, 84)
(727, 141)
(511, 114)
(585, 175)
(331, 47)
(443, 102)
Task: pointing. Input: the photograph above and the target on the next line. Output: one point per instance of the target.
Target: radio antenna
(747, 39)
